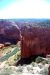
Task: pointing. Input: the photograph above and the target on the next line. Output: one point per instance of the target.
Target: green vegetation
(8, 55)
(39, 59)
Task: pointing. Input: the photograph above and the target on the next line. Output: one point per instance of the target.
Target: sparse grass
(8, 70)
(10, 54)
(33, 63)
(13, 58)
(6, 50)
(21, 70)
(48, 60)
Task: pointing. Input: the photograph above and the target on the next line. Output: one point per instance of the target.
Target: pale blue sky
(4, 3)
(24, 8)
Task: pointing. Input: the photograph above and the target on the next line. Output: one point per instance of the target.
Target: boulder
(1, 46)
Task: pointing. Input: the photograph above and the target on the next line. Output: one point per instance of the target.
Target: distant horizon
(24, 18)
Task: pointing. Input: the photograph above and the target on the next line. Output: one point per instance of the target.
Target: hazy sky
(24, 9)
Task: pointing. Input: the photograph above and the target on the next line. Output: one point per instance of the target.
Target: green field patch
(5, 57)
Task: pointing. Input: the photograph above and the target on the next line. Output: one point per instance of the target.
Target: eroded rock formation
(9, 32)
(35, 41)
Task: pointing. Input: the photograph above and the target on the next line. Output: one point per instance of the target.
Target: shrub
(39, 59)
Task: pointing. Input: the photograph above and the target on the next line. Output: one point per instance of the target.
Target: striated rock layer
(9, 32)
(35, 42)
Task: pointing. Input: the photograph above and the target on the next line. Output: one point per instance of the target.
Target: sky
(24, 9)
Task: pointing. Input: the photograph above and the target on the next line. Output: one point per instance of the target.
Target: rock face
(35, 42)
(9, 32)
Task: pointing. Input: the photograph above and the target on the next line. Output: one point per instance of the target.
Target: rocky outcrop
(9, 32)
(1, 46)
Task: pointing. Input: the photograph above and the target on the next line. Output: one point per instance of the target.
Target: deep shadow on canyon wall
(9, 32)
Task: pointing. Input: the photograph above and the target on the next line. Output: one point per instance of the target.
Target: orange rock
(1, 46)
